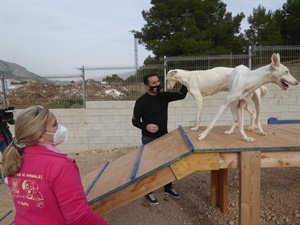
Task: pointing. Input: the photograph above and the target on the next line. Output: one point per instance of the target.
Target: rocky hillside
(14, 71)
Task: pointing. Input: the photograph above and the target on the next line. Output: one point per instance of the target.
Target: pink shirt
(48, 190)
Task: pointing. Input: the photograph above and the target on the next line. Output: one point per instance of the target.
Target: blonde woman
(45, 183)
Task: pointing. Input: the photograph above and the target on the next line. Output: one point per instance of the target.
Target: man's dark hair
(145, 79)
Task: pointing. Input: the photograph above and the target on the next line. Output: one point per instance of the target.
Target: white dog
(201, 83)
(243, 82)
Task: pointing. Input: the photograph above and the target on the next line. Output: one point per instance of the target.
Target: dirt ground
(280, 197)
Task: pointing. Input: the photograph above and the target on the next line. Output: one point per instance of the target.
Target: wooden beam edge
(134, 191)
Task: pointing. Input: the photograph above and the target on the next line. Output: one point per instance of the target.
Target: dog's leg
(211, 125)
(240, 108)
(235, 119)
(199, 103)
(257, 102)
(253, 117)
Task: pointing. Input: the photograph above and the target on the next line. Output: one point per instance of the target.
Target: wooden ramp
(179, 153)
(137, 173)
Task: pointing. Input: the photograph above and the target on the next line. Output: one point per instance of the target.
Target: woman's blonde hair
(30, 125)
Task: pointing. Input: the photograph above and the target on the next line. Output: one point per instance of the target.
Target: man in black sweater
(150, 114)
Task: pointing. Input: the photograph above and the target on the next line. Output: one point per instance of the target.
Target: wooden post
(214, 188)
(219, 189)
(250, 179)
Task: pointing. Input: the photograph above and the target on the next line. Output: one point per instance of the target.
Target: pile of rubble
(50, 93)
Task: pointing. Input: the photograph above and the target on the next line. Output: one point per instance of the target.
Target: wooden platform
(179, 153)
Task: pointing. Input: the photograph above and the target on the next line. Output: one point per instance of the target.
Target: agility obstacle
(179, 154)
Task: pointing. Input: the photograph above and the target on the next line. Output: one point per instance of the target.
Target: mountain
(16, 72)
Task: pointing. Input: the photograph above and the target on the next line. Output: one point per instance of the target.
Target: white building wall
(105, 125)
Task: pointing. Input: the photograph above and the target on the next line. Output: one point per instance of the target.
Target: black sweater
(154, 109)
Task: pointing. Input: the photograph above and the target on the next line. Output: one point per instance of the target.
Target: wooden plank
(283, 130)
(250, 179)
(219, 189)
(89, 188)
(8, 218)
(280, 159)
(134, 191)
(117, 173)
(194, 162)
(137, 163)
(268, 159)
(284, 137)
(223, 204)
(214, 188)
(229, 160)
(163, 152)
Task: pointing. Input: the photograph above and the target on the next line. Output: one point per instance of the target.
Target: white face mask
(60, 135)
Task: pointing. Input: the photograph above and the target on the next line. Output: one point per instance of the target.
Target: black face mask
(155, 88)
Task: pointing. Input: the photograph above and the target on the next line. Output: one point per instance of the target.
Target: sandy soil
(280, 197)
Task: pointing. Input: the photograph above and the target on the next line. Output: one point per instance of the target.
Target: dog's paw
(194, 128)
(262, 133)
(252, 127)
(249, 139)
(228, 132)
(201, 136)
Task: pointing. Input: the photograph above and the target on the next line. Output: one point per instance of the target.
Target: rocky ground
(280, 197)
(63, 94)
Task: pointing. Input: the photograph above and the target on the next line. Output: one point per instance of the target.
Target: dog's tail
(263, 91)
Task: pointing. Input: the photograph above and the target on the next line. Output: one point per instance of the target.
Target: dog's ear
(275, 59)
(171, 73)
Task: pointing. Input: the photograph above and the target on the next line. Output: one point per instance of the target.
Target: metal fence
(125, 82)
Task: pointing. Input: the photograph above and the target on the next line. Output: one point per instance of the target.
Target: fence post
(83, 87)
(3, 91)
(230, 58)
(165, 73)
(249, 57)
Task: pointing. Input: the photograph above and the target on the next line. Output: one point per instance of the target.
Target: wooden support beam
(194, 162)
(219, 189)
(250, 180)
(134, 191)
(268, 159)
(280, 159)
(214, 188)
(223, 195)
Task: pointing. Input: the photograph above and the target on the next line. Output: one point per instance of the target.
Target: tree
(113, 79)
(190, 27)
(263, 28)
(288, 20)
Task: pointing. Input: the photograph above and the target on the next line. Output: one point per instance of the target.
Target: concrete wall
(105, 125)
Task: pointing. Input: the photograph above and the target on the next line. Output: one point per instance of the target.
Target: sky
(50, 37)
